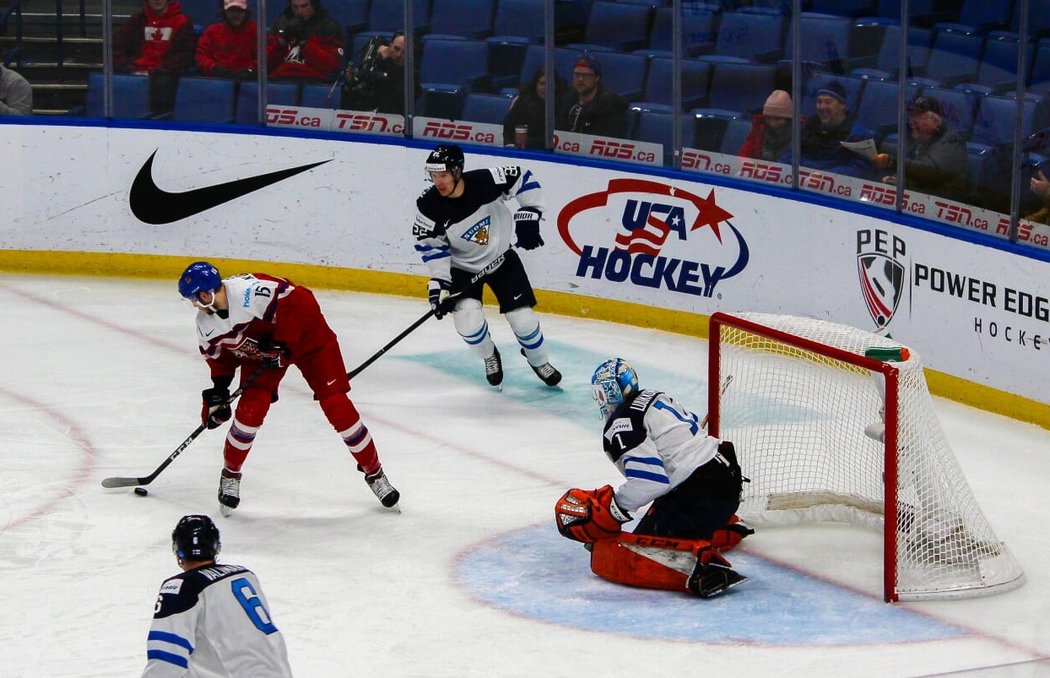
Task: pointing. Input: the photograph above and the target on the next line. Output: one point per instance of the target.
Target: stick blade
(122, 482)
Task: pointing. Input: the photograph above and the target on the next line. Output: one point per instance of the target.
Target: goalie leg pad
(614, 561)
(732, 534)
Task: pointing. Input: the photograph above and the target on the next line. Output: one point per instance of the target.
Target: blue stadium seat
(696, 76)
(386, 16)
(352, 15)
(450, 70)
(319, 96)
(958, 107)
(204, 13)
(624, 74)
(617, 26)
(980, 16)
(698, 31)
(470, 19)
(282, 93)
(954, 57)
(518, 24)
(825, 41)
(997, 69)
(735, 134)
(994, 122)
(205, 100)
(657, 126)
(741, 87)
(851, 8)
(751, 35)
(887, 61)
(877, 109)
(130, 96)
(1039, 75)
(710, 127)
(491, 108)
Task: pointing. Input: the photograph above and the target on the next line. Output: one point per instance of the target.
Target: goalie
(692, 481)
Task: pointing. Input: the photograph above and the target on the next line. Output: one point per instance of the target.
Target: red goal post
(827, 433)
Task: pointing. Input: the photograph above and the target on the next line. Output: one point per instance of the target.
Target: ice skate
(380, 485)
(711, 579)
(494, 369)
(229, 491)
(546, 372)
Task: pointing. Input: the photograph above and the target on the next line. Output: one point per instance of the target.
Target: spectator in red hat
(157, 41)
(935, 160)
(770, 135)
(590, 108)
(229, 48)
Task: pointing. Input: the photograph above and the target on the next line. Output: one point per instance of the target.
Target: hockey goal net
(826, 433)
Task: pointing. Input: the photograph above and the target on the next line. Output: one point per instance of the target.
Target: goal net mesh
(806, 410)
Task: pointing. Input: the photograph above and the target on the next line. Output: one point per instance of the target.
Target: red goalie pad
(646, 562)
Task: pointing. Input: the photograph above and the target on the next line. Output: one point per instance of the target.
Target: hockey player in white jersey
(464, 228)
(211, 619)
(690, 480)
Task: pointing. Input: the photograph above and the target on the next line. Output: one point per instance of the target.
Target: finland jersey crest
(479, 232)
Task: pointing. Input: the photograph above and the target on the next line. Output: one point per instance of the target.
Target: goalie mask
(445, 158)
(611, 382)
(195, 538)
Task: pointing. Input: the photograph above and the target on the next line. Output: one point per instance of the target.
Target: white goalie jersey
(214, 621)
(656, 444)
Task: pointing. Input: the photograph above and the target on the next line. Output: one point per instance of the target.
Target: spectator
(936, 155)
(590, 107)
(16, 94)
(229, 48)
(770, 135)
(157, 41)
(306, 43)
(823, 134)
(529, 109)
(1040, 186)
(377, 81)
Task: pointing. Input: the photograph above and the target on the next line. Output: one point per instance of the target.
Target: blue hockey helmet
(199, 276)
(195, 537)
(611, 382)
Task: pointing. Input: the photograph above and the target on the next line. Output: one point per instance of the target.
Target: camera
(294, 29)
(362, 72)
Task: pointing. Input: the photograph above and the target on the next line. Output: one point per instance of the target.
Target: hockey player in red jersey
(690, 480)
(263, 325)
(463, 233)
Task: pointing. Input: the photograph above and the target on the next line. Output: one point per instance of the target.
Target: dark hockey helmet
(195, 538)
(611, 382)
(199, 276)
(445, 158)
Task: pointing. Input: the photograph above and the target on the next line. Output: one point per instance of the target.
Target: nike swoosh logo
(154, 205)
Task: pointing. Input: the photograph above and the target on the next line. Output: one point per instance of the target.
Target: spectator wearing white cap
(770, 135)
(229, 48)
(935, 160)
(16, 94)
(822, 136)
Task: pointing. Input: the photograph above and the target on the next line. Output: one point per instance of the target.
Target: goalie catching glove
(441, 300)
(589, 516)
(216, 408)
(527, 228)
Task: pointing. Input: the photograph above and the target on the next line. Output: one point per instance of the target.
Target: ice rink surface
(102, 378)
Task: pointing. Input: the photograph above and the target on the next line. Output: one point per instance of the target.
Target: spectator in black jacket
(936, 155)
(529, 109)
(590, 107)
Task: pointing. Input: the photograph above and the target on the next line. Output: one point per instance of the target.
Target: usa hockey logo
(664, 237)
(479, 232)
(882, 268)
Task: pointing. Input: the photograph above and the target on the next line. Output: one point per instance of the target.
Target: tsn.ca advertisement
(874, 192)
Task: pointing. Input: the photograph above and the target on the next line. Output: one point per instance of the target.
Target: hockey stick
(721, 392)
(422, 319)
(119, 481)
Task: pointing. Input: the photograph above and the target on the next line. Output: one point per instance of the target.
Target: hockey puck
(141, 491)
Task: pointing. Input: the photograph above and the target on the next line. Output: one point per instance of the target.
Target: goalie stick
(121, 481)
(493, 265)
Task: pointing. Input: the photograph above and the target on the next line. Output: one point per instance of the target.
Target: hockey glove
(216, 408)
(441, 299)
(274, 354)
(589, 516)
(527, 228)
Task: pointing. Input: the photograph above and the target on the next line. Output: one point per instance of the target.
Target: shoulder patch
(172, 587)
